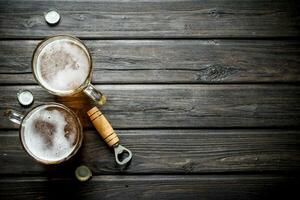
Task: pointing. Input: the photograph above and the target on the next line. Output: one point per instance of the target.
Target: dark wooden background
(205, 93)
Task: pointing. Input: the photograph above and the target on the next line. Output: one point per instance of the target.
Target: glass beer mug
(50, 133)
(63, 66)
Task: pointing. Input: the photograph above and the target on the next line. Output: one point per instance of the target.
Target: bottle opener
(109, 135)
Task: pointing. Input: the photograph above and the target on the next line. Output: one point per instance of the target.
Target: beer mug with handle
(62, 65)
(50, 133)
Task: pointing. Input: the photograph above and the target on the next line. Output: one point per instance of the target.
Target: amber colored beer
(63, 66)
(51, 133)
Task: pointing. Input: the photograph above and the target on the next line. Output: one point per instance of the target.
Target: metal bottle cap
(83, 173)
(25, 97)
(52, 17)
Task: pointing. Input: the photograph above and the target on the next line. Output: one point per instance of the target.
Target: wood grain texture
(169, 61)
(169, 152)
(165, 66)
(181, 106)
(153, 187)
(164, 18)
(103, 127)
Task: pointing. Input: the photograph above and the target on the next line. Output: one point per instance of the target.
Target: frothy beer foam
(62, 65)
(50, 133)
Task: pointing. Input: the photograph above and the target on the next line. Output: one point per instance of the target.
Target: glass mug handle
(94, 94)
(15, 116)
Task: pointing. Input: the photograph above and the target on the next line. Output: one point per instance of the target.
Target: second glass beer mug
(50, 133)
(63, 66)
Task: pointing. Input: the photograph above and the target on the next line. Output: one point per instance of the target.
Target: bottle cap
(25, 97)
(52, 17)
(83, 173)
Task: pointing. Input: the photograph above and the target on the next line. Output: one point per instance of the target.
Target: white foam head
(62, 65)
(50, 133)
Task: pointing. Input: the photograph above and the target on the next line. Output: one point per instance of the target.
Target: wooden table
(204, 93)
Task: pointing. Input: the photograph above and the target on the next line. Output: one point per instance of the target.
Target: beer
(62, 66)
(51, 133)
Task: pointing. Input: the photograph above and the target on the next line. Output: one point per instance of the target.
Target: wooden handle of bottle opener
(103, 126)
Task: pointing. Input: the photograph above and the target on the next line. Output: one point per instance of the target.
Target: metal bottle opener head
(119, 150)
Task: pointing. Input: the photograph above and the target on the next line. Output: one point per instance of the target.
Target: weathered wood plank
(169, 152)
(170, 61)
(158, 106)
(153, 187)
(216, 18)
